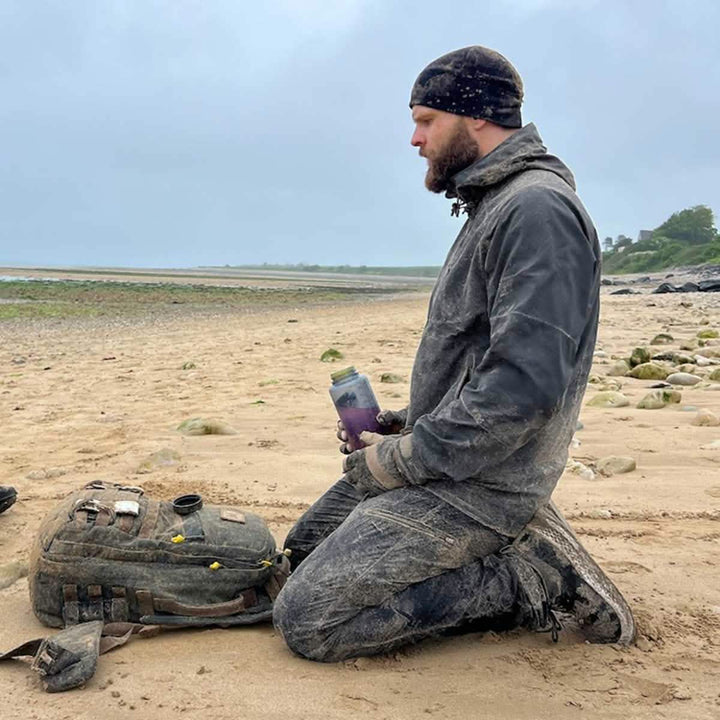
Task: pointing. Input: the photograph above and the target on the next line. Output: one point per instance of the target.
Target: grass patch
(86, 298)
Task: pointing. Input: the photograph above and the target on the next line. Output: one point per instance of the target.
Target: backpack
(110, 553)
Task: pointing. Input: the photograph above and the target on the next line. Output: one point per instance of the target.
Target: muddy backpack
(110, 553)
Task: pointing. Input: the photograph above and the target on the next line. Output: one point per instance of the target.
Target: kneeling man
(445, 523)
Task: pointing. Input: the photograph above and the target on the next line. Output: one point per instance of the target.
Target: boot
(8, 495)
(556, 574)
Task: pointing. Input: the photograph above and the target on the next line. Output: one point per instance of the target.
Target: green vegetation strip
(77, 298)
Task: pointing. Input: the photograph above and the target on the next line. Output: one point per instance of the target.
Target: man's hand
(364, 470)
(391, 423)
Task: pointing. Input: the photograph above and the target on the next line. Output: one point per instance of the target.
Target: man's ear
(475, 124)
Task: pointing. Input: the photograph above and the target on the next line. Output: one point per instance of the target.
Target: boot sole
(553, 528)
(7, 501)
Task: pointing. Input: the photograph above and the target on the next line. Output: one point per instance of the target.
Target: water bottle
(355, 403)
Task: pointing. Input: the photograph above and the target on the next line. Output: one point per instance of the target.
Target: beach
(92, 396)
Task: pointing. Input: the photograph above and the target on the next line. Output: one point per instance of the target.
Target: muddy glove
(377, 468)
(66, 660)
(391, 423)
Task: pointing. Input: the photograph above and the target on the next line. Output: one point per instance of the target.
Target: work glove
(391, 422)
(380, 466)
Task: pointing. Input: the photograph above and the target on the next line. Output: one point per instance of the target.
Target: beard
(459, 152)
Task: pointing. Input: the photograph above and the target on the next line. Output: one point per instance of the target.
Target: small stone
(19, 360)
(582, 471)
(681, 359)
(11, 572)
(609, 399)
(162, 458)
(331, 355)
(615, 465)
(46, 473)
(689, 345)
(662, 339)
(715, 375)
(639, 356)
(189, 365)
(659, 399)
(200, 426)
(683, 378)
(579, 426)
(610, 385)
(649, 371)
(705, 334)
(702, 361)
(600, 354)
(686, 368)
(618, 368)
(706, 418)
(391, 378)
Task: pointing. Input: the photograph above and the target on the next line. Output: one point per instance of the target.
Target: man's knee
(297, 618)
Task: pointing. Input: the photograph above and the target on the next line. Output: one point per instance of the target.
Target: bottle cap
(342, 374)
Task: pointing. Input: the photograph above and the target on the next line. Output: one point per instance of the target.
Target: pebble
(618, 368)
(706, 418)
(609, 399)
(615, 465)
(649, 371)
(659, 399)
(705, 334)
(331, 355)
(11, 572)
(639, 356)
(162, 458)
(715, 375)
(46, 473)
(702, 361)
(683, 378)
(200, 426)
(662, 339)
(391, 378)
(582, 471)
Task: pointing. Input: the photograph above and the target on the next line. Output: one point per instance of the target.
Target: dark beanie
(473, 81)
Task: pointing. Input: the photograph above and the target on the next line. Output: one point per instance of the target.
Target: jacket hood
(523, 150)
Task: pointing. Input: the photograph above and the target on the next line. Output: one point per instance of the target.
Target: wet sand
(89, 399)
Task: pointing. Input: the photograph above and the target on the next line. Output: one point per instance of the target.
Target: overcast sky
(177, 133)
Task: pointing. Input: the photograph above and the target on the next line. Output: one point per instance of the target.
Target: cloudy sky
(177, 133)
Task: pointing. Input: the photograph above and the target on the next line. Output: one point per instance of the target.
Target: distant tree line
(687, 237)
(430, 271)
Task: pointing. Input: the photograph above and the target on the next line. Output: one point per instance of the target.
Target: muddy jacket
(507, 347)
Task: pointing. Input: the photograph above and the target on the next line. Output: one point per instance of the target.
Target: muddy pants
(376, 573)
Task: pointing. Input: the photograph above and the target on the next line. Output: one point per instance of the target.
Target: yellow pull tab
(266, 563)
(178, 539)
(215, 566)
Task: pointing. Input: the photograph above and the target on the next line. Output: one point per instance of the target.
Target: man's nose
(417, 139)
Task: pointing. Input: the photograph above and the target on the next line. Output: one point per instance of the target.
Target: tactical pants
(375, 573)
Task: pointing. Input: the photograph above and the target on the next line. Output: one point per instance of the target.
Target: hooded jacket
(504, 357)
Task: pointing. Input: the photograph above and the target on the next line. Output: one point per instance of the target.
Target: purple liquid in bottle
(355, 404)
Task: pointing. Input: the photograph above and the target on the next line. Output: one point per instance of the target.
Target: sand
(90, 400)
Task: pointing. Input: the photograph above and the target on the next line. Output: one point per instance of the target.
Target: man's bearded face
(455, 154)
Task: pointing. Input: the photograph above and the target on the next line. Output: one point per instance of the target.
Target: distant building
(644, 235)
